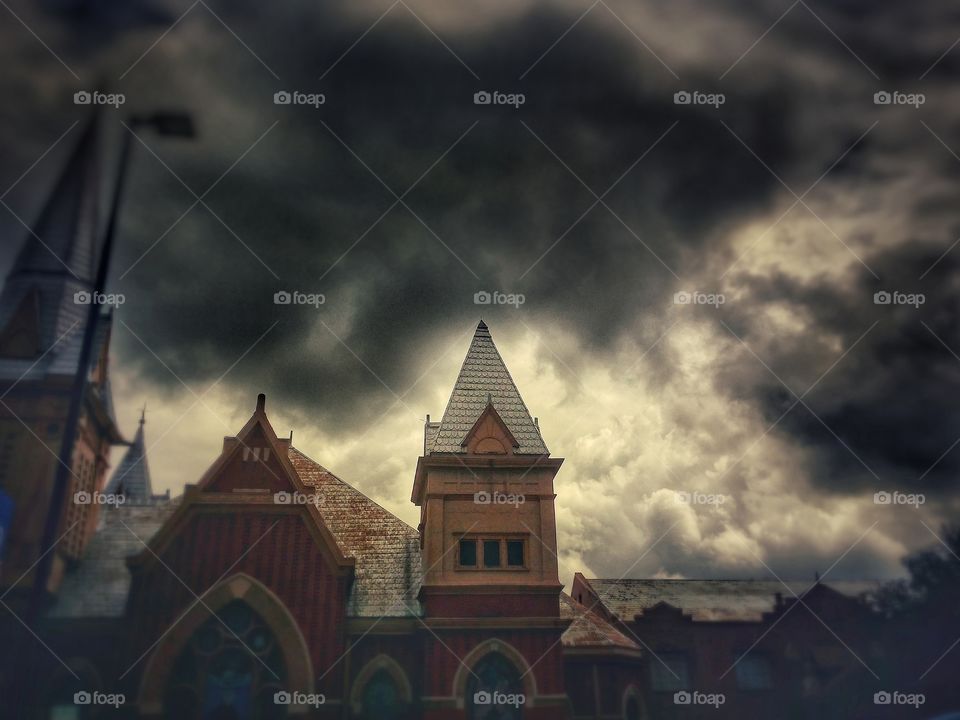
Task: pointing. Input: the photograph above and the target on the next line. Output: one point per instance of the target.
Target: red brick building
(272, 588)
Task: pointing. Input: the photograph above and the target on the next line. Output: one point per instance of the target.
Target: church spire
(59, 256)
(484, 380)
(132, 477)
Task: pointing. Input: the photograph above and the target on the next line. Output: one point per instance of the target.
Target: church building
(273, 588)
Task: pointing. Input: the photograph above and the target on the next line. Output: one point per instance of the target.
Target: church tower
(484, 486)
(44, 310)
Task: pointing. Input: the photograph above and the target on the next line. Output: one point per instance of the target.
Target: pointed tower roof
(132, 477)
(59, 258)
(484, 379)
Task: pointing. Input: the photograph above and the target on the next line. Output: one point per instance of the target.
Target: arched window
(229, 670)
(633, 709)
(495, 690)
(381, 698)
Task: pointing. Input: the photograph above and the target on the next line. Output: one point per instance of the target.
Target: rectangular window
(491, 553)
(669, 672)
(468, 553)
(515, 553)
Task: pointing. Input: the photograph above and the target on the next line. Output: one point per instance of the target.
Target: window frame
(479, 539)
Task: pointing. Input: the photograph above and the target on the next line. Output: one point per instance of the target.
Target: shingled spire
(484, 379)
(132, 476)
(58, 257)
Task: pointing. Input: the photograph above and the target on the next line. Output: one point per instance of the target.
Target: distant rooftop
(709, 600)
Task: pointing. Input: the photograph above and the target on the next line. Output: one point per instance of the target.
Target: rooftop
(484, 379)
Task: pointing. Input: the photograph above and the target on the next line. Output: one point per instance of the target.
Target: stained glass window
(495, 690)
(381, 698)
(229, 670)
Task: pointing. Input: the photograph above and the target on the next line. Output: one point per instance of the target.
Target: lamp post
(163, 123)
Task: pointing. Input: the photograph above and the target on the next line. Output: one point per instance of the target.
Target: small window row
(491, 553)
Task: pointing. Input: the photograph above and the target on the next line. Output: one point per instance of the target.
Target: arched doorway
(229, 669)
(495, 689)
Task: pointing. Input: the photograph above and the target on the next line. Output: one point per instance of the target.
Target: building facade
(273, 588)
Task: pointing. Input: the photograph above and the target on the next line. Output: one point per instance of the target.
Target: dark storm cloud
(500, 200)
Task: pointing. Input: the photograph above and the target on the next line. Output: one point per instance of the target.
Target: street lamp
(174, 124)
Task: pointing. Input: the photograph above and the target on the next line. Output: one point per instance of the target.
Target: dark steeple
(58, 258)
(132, 476)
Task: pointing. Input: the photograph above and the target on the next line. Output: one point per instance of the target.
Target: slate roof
(708, 600)
(484, 375)
(59, 258)
(589, 629)
(387, 574)
(386, 549)
(98, 587)
(132, 476)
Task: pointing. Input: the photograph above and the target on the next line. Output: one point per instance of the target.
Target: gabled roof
(484, 378)
(132, 476)
(590, 630)
(708, 600)
(387, 574)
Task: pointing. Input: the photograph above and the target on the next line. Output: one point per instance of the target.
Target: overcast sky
(784, 187)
